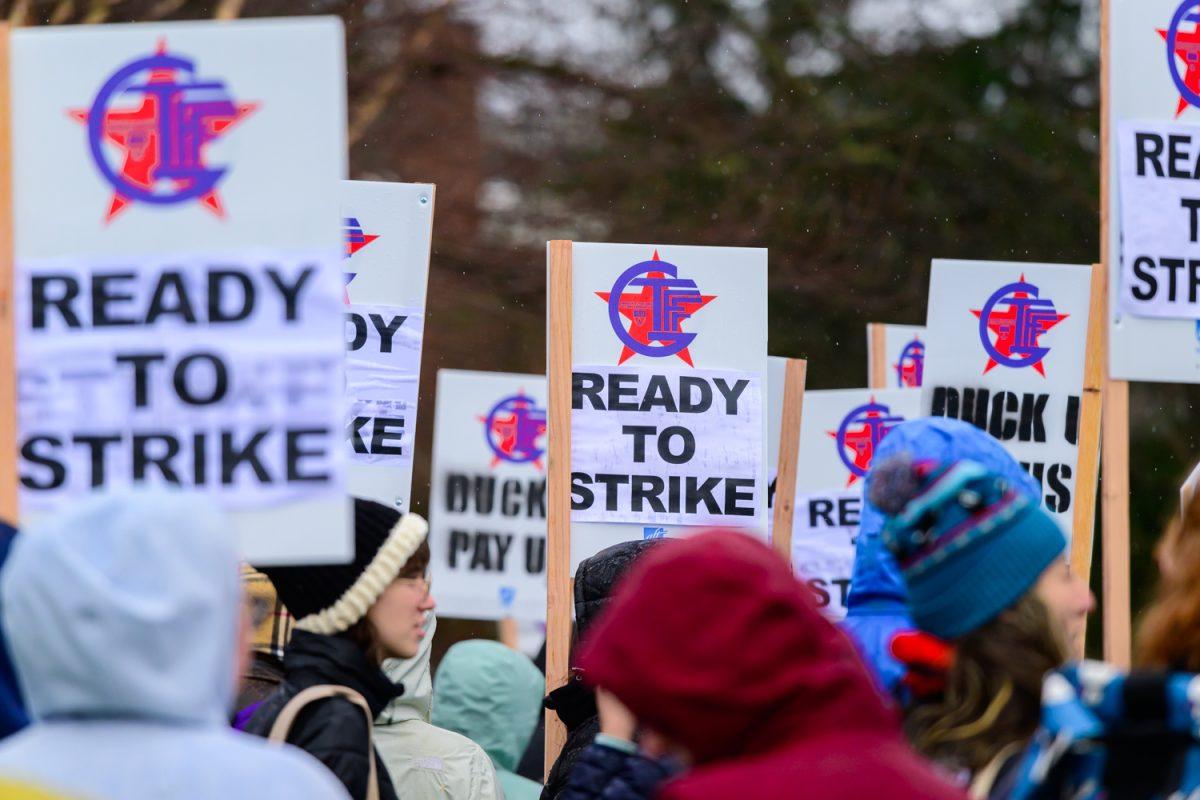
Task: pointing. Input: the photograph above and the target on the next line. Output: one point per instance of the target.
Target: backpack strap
(287, 716)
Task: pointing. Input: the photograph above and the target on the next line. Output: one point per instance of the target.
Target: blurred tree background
(856, 139)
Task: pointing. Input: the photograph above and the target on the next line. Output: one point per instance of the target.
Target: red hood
(713, 642)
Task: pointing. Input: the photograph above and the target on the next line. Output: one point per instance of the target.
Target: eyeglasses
(424, 584)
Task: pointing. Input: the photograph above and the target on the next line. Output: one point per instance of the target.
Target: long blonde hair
(993, 689)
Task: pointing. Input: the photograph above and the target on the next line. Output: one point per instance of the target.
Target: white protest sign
(839, 432)
(177, 281)
(903, 354)
(1153, 110)
(669, 362)
(388, 229)
(487, 504)
(1007, 348)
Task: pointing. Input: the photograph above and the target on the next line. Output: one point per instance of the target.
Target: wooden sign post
(558, 488)
(877, 366)
(1088, 468)
(8, 356)
(791, 413)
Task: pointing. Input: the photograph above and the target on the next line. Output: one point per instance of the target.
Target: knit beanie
(330, 598)
(969, 545)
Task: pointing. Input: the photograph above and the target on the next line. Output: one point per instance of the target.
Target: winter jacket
(612, 769)
(121, 613)
(492, 695)
(574, 702)
(712, 642)
(876, 608)
(533, 762)
(428, 762)
(12, 707)
(334, 730)
(1105, 733)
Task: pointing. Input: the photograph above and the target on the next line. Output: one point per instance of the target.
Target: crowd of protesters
(140, 659)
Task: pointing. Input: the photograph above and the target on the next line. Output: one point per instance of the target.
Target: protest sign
(668, 375)
(895, 356)
(1007, 354)
(388, 229)
(838, 435)
(487, 506)
(1151, 143)
(177, 287)
(657, 371)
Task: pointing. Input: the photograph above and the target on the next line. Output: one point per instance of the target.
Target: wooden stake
(877, 366)
(794, 379)
(1087, 468)
(558, 488)
(1118, 633)
(509, 635)
(1114, 496)
(8, 360)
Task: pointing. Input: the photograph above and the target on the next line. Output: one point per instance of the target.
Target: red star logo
(356, 243)
(861, 441)
(510, 434)
(639, 310)
(1004, 325)
(136, 132)
(1187, 47)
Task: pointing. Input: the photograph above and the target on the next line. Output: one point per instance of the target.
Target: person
(876, 608)
(1111, 733)
(271, 628)
(492, 695)
(987, 580)
(1169, 634)
(427, 761)
(125, 619)
(720, 657)
(349, 618)
(575, 702)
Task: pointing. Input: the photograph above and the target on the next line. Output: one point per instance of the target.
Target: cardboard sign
(1153, 112)
(388, 230)
(1007, 349)
(839, 432)
(177, 282)
(903, 355)
(487, 508)
(669, 369)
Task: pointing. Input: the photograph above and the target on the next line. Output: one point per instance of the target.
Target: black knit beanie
(330, 598)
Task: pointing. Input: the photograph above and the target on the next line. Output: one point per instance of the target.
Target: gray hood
(125, 605)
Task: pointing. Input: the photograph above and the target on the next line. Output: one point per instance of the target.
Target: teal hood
(490, 694)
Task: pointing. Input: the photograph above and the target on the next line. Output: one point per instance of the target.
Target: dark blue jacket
(605, 772)
(877, 605)
(12, 708)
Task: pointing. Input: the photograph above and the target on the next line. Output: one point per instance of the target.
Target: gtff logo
(649, 322)
(148, 127)
(513, 429)
(860, 433)
(910, 367)
(1011, 324)
(1183, 49)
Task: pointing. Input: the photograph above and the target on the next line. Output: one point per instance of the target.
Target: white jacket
(121, 615)
(426, 762)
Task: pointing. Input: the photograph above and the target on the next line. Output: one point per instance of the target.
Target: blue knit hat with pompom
(968, 545)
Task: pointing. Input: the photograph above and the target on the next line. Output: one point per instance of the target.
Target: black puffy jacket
(575, 703)
(334, 731)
